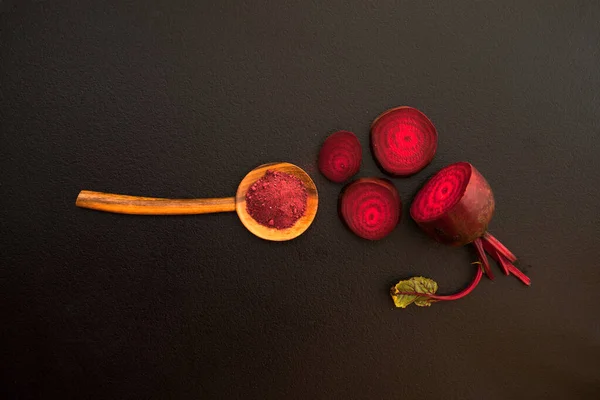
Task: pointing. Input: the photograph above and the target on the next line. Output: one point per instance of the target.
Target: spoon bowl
(124, 204)
(266, 232)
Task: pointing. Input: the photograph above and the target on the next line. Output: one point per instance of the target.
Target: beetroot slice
(455, 207)
(370, 207)
(340, 156)
(403, 140)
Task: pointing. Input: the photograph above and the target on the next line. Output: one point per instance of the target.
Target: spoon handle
(123, 204)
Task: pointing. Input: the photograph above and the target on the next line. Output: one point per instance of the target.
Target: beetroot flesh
(455, 207)
(403, 140)
(370, 207)
(340, 156)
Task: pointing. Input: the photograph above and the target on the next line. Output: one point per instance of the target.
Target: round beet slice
(371, 207)
(403, 140)
(455, 207)
(340, 156)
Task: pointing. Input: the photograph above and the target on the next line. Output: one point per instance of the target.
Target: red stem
(483, 258)
(514, 270)
(520, 276)
(503, 263)
(455, 296)
(496, 256)
(463, 292)
(495, 243)
(504, 257)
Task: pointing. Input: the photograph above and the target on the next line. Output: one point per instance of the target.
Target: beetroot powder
(276, 200)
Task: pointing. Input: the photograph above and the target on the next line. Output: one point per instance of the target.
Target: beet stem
(495, 254)
(463, 292)
(495, 243)
(483, 258)
(515, 271)
(503, 257)
(455, 296)
(502, 262)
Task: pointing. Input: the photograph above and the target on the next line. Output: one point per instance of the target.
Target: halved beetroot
(371, 207)
(403, 140)
(455, 207)
(340, 156)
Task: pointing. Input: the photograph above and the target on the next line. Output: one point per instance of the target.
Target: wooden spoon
(123, 204)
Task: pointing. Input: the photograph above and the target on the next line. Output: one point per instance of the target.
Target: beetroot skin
(371, 207)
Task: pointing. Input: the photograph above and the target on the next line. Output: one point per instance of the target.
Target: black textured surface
(181, 98)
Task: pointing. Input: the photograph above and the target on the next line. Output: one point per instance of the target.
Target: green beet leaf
(407, 292)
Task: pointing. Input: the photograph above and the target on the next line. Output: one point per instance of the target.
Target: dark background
(182, 98)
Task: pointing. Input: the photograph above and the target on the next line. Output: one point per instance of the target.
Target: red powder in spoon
(276, 200)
